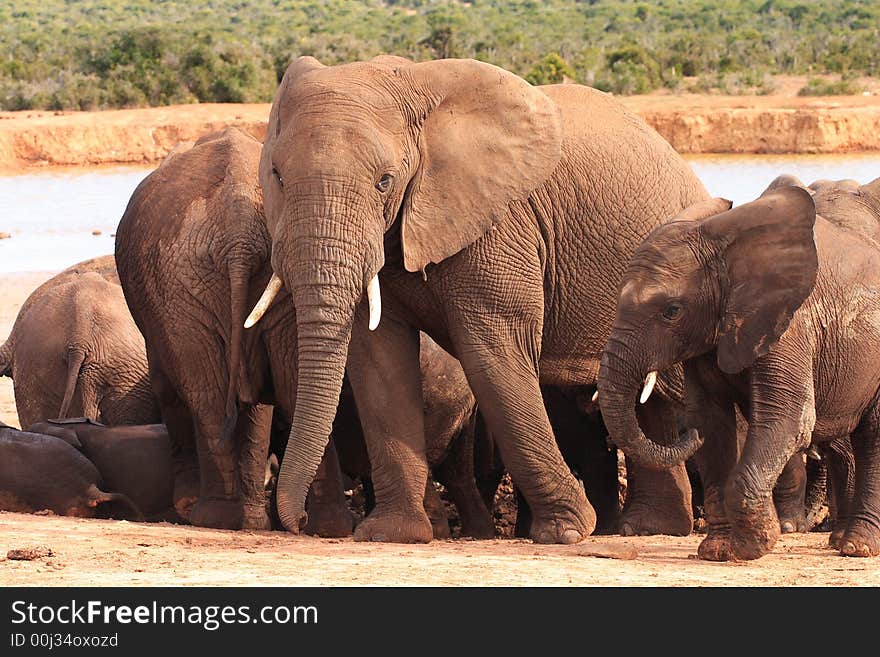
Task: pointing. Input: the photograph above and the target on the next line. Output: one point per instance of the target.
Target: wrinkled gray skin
(856, 207)
(772, 309)
(39, 472)
(133, 460)
(193, 256)
(74, 350)
(501, 216)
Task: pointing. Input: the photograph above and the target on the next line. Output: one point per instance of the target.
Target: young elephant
(39, 472)
(133, 460)
(772, 309)
(75, 350)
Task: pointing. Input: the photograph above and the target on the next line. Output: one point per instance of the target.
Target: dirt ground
(119, 553)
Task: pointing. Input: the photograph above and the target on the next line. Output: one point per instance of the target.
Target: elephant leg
(781, 420)
(789, 495)
(862, 535)
(436, 511)
(326, 506)
(657, 501)
(456, 473)
(523, 526)
(385, 375)
(504, 379)
(488, 468)
(179, 423)
(715, 419)
(839, 459)
(219, 504)
(255, 426)
(583, 443)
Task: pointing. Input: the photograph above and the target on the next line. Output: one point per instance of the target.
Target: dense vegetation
(84, 54)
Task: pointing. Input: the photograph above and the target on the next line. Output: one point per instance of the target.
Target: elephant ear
(488, 138)
(769, 253)
(703, 209)
(783, 180)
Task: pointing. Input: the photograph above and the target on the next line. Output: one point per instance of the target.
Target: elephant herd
(450, 272)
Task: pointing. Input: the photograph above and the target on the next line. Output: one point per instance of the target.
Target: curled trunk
(620, 383)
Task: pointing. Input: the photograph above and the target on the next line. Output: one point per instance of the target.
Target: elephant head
(711, 279)
(416, 159)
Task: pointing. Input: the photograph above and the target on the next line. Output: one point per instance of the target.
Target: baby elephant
(39, 472)
(772, 309)
(75, 350)
(133, 460)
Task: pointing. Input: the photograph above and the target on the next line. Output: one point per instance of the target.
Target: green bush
(550, 70)
(94, 53)
(822, 87)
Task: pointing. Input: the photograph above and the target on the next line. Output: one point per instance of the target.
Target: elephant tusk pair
(374, 296)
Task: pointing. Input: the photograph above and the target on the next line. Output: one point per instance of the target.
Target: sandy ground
(119, 553)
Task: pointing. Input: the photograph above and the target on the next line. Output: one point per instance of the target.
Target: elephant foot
(715, 547)
(754, 541)
(644, 520)
(564, 528)
(254, 516)
(482, 528)
(835, 539)
(860, 540)
(329, 521)
(186, 493)
(794, 524)
(395, 528)
(440, 529)
(217, 514)
(754, 520)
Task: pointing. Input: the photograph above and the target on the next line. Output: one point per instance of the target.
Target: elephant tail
(97, 496)
(239, 283)
(6, 358)
(75, 359)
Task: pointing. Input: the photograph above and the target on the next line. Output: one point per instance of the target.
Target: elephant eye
(672, 310)
(384, 183)
(277, 176)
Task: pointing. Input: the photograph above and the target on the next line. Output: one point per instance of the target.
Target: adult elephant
(499, 218)
(193, 254)
(75, 350)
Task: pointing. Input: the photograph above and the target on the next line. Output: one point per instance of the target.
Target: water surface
(51, 215)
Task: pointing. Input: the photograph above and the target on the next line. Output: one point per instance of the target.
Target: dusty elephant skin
(193, 254)
(39, 472)
(74, 350)
(132, 460)
(752, 300)
(501, 216)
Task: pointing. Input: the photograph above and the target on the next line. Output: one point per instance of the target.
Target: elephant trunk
(620, 383)
(327, 276)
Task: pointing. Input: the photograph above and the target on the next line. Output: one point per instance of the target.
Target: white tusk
(648, 388)
(374, 296)
(272, 289)
(596, 395)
